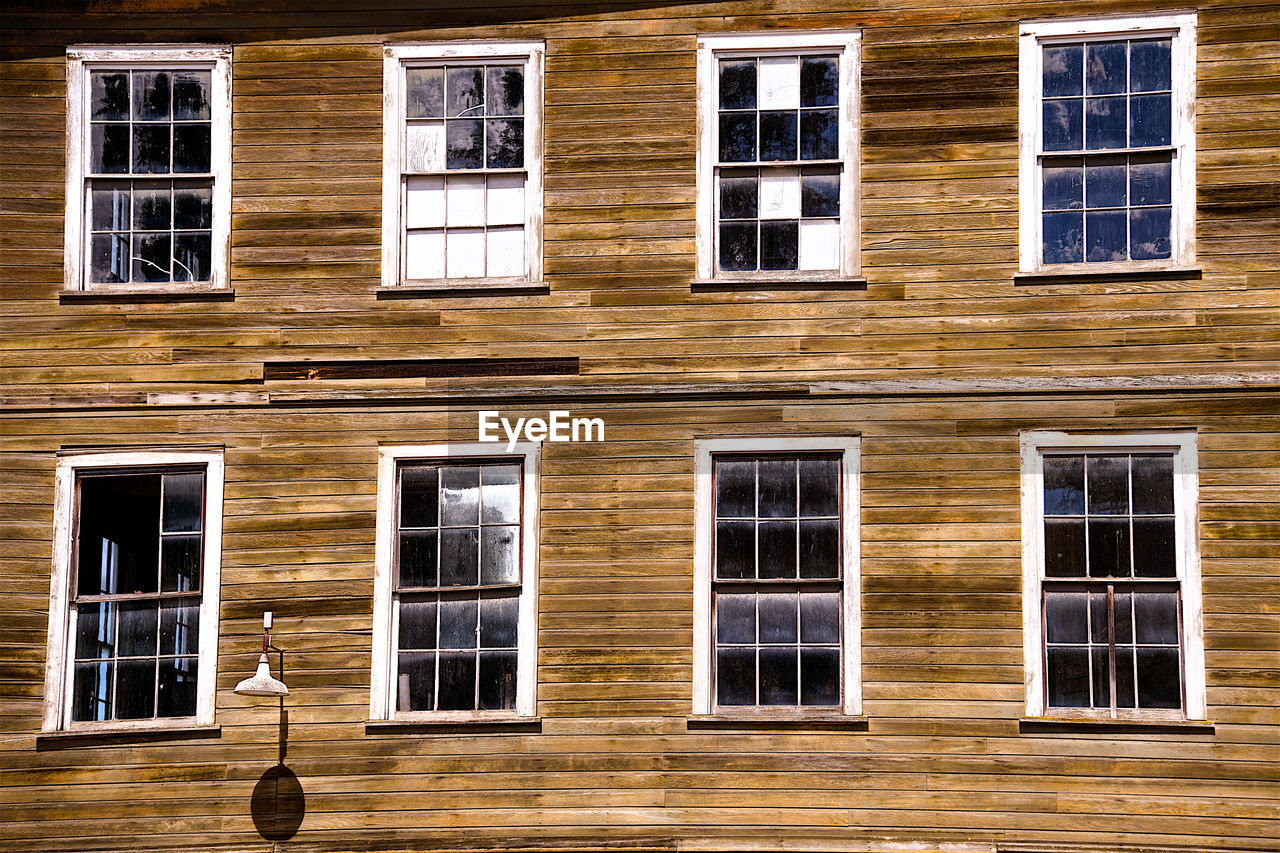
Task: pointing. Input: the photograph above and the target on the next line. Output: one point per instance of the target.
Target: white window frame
(846, 43)
(849, 448)
(382, 705)
(1186, 479)
(61, 638)
(81, 59)
(397, 57)
(1182, 228)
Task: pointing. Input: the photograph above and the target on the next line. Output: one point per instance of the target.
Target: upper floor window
(778, 147)
(1112, 580)
(462, 168)
(776, 596)
(1108, 151)
(456, 591)
(134, 616)
(148, 167)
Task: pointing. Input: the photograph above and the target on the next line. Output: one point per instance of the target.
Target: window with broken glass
(779, 163)
(464, 171)
(1111, 590)
(777, 581)
(457, 590)
(136, 594)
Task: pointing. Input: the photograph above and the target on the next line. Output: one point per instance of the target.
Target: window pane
(735, 549)
(192, 146)
(1154, 552)
(819, 677)
(1108, 485)
(1124, 617)
(1159, 679)
(109, 261)
(1105, 182)
(779, 83)
(777, 135)
(460, 490)
(152, 257)
(95, 630)
(151, 149)
(109, 96)
(1105, 123)
(1065, 617)
(820, 549)
(738, 85)
(497, 681)
(779, 245)
(780, 193)
(500, 494)
(820, 617)
(1064, 485)
(735, 676)
(1124, 678)
(1063, 68)
(1150, 65)
(737, 137)
(150, 95)
(1068, 677)
(1064, 548)
(499, 553)
(135, 689)
(119, 545)
(1063, 238)
(152, 208)
(1150, 181)
(424, 92)
(110, 149)
(464, 144)
(110, 206)
(778, 677)
(180, 626)
(777, 488)
(183, 502)
(1063, 125)
(735, 488)
(191, 95)
(466, 91)
(416, 682)
(459, 623)
(91, 691)
(499, 617)
(177, 689)
(820, 192)
(1150, 120)
(738, 246)
(192, 205)
(418, 557)
(778, 617)
(1099, 619)
(819, 487)
(739, 194)
(180, 563)
(504, 86)
(777, 549)
(192, 257)
(419, 496)
(1106, 68)
(1156, 617)
(819, 81)
(1109, 548)
(1149, 230)
(459, 556)
(819, 135)
(457, 682)
(1102, 679)
(504, 145)
(735, 618)
(417, 625)
(1063, 186)
(1106, 238)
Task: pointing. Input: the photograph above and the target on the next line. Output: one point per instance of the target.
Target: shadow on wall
(279, 804)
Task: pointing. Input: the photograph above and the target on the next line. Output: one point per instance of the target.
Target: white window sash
(848, 45)
(382, 705)
(704, 560)
(1032, 36)
(1034, 445)
(398, 57)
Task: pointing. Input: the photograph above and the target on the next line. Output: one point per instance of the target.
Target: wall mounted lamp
(261, 683)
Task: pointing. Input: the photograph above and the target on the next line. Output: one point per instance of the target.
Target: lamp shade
(262, 684)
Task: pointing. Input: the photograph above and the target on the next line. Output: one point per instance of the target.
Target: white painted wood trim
(703, 546)
(382, 682)
(848, 43)
(57, 694)
(1032, 35)
(83, 58)
(1032, 443)
(395, 57)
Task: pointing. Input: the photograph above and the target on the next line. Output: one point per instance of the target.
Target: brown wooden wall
(943, 759)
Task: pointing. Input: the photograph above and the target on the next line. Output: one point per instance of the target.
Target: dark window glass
(1105, 182)
(738, 85)
(1063, 186)
(779, 617)
(819, 676)
(1150, 120)
(109, 96)
(1150, 181)
(1068, 677)
(1105, 237)
(777, 135)
(735, 489)
(457, 689)
(1106, 67)
(739, 195)
(819, 192)
(736, 676)
(464, 144)
(191, 148)
(735, 619)
(504, 87)
(110, 144)
(1063, 70)
(819, 81)
(1063, 238)
(1149, 232)
(1154, 549)
(424, 92)
(735, 549)
(737, 137)
(1064, 550)
(465, 90)
(1150, 65)
(1064, 617)
(151, 149)
(191, 96)
(738, 250)
(151, 96)
(1064, 485)
(779, 244)
(778, 676)
(1063, 128)
(819, 135)
(504, 146)
(1108, 485)
(777, 544)
(820, 548)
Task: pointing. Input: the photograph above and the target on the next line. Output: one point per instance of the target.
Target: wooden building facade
(975, 304)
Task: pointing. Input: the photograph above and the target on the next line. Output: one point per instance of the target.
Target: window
(1112, 598)
(777, 619)
(148, 167)
(133, 617)
(777, 156)
(462, 167)
(455, 606)
(1108, 144)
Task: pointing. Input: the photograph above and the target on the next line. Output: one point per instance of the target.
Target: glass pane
(95, 630)
(1101, 678)
(457, 682)
(417, 625)
(1064, 548)
(1150, 120)
(1154, 552)
(499, 555)
(466, 92)
(820, 549)
(151, 95)
(819, 81)
(1105, 123)
(419, 496)
(1156, 617)
(1108, 548)
(819, 134)
(1063, 186)
(504, 86)
(1106, 68)
(1159, 679)
(819, 677)
(1105, 182)
(1124, 678)
(119, 545)
(498, 620)
(778, 617)
(460, 490)
(192, 205)
(1150, 181)
(110, 257)
(151, 208)
(497, 681)
(1063, 238)
(177, 690)
(1064, 485)
(777, 135)
(777, 549)
(418, 557)
(191, 95)
(459, 556)
(777, 488)
(735, 549)
(91, 691)
(192, 145)
(464, 144)
(180, 626)
(735, 488)
(735, 676)
(135, 689)
(180, 563)
(152, 256)
(735, 618)
(1063, 69)
(192, 257)
(416, 682)
(778, 677)
(1068, 677)
(424, 92)
(1099, 619)
(500, 494)
(109, 206)
(779, 245)
(110, 149)
(820, 192)
(504, 143)
(1108, 485)
(737, 137)
(1107, 238)
(109, 96)
(151, 149)
(183, 502)
(738, 246)
(819, 487)
(1149, 232)
(1065, 617)
(1150, 65)
(820, 617)
(1063, 125)
(738, 84)
(739, 194)
(458, 623)
(1123, 617)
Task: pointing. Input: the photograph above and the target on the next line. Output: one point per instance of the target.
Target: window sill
(454, 723)
(108, 735)
(465, 287)
(1086, 276)
(778, 282)
(168, 294)
(1152, 725)
(775, 722)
